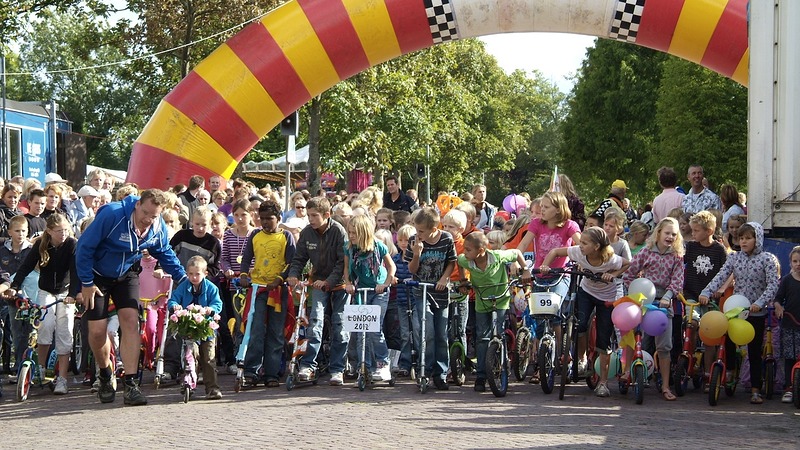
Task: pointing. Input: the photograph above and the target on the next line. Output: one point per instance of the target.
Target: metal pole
(290, 159)
(428, 176)
(53, 139)
(4, 156)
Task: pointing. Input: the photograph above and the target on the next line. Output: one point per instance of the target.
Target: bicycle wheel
(187, 392)
(496, 373)
(714, 385)
(566, 356)
(457, 369)
(796, 388)
(523, 351)
(638, 383)
(769, 378)
(546, 372)
(77, 348)
(680, 375)
(24, 381)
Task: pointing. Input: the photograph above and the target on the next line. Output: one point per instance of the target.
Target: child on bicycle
(661, 261)
(455, 222)
(198, 290)
(755, 274)
(12, 254)
(788, 300)
(431, 257)
(594, 253)
(270, 250)
(553, 230)
(54, 253)
(703, 259)
(487, 270)
(404, 234)
(368, 264)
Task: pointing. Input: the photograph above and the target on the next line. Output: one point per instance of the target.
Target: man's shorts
(124, 291)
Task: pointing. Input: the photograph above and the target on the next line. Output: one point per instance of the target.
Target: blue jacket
(109, 247)
(208, 296)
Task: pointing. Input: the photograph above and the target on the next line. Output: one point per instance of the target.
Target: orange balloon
(708, 341)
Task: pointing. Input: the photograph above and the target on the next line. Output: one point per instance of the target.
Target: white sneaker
(305, 374)
(582, 368)
(61, 386)
(384, 372)
(232, 369)
(377, 375)
(602, 390)
(337, 379)
(96, 386)
(787, 397)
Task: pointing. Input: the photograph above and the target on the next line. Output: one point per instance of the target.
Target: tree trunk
(187, 38)
(315, 119)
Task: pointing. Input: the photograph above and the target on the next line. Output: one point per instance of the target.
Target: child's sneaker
(480, 385)
(787, 397)
(215, 394)
(602, 390)
(305, 374)
(61, 386)
(384, 372)
(337, 379)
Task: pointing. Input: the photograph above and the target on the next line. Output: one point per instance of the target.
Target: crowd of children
(339, 247)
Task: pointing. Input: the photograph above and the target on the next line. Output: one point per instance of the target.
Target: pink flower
(173, 318)
(196, 308)
(213, 325)
(216, 318)
(199, 318)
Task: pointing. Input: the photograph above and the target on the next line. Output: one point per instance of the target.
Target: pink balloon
(654, 323)
(513, 203)
(626, 316)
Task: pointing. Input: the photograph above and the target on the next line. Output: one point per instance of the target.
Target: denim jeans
(404, 363)
(19, 333)
(339, 338)
(376, 342)
(485, 330)
(266, 339)
(437, 351)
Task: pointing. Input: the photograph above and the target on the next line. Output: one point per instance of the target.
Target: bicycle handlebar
(692, 303)
(571, 271)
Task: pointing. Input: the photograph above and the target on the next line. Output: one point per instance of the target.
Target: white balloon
(737, 301)
(649, 362)
(643, 286)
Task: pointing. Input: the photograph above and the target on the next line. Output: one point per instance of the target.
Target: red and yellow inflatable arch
(215, 115)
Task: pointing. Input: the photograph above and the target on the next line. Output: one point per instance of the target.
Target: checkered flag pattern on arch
(441, 20)
(626, 21)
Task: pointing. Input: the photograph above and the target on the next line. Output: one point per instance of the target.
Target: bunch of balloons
(628, 314)
(731, 320)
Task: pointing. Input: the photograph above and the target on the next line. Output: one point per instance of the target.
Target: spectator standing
(669, 198)
(699, 198)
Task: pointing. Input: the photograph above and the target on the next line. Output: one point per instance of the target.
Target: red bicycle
(687, 366)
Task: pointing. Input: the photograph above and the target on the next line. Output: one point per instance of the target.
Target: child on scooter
(487, 270)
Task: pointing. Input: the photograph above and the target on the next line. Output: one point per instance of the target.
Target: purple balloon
(654, 323)
(513, 203)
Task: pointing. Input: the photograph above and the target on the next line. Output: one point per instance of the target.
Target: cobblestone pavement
(388, 417)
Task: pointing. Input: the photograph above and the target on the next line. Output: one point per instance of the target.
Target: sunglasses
(299, 207)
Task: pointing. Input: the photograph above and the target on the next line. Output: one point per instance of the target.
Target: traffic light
(420, 170)
(290, 125)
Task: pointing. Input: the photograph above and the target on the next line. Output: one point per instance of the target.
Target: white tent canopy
(118, 175)
(279, 164)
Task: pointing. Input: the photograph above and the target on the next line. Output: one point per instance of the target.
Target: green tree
(702, 119)
(611, 126)
(102, 102)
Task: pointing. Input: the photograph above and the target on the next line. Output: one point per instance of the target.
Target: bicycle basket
(544, 303)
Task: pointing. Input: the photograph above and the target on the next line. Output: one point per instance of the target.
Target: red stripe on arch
(729, 41)
(659, 19)
(207, 108)
(410, 24)
(335, 31)
(263, 56)
(157, 168)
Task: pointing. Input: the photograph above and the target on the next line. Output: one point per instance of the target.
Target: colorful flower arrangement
(194, 322)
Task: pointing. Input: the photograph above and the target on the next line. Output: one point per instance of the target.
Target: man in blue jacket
(107, 260)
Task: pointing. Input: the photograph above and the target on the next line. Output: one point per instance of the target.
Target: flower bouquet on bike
(192, 324)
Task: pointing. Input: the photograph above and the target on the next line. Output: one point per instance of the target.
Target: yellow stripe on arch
(240, 88)
(293, 32)
(171, 130)
(374, 27)
(696, 25)
(742, 72)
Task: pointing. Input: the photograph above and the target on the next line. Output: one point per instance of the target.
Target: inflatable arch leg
(242, 90)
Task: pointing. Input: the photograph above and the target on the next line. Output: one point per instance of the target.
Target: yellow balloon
(714, 324)
(740, 331)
